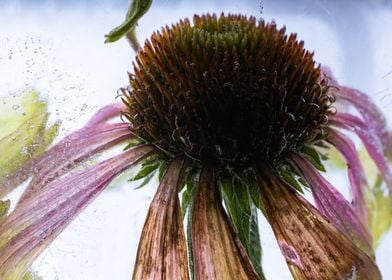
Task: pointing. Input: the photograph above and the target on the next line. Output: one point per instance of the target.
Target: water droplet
(15, 107)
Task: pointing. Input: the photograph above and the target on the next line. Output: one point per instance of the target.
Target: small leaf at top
(136, 10)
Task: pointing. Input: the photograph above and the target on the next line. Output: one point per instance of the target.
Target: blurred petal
(217, 251)
(313, 247)
(335, 207)
(357, 177)
(162, 250)
(371, 142)
(24, 138)
(389, 146)
(107, 112)
(73, 149)
(33, 225)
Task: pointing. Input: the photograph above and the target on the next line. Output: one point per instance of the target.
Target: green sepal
(132, 143)
(303, 182)
(313, 156)
(135, 11)
(145, 181)
(147, 170)
(255, 250)
(148, 167)
(189, 191)
(238, 203)
(162, 170)
(189, 241)
(255, 195)
(290, 179)
(238, 194)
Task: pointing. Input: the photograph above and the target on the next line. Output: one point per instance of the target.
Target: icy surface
(58, 49)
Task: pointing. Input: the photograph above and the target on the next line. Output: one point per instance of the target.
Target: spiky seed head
(227, 91)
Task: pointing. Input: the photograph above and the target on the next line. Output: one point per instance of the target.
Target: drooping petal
(356, 173)
(313, 247)
(74, 149)
(373, 117)
(217, 251)
(371, 142)
(162, 250)
(31, 227)
(106, 112)
(335, 207)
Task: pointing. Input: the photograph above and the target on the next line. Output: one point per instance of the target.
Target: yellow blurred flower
(24, 136)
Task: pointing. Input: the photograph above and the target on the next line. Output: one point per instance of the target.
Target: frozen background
(56, 47)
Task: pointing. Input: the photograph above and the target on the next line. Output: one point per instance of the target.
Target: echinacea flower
(236, 115)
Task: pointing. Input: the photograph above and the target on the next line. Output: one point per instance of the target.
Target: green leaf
(314, 157)
(136, 10)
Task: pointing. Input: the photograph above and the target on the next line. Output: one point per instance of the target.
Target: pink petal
(73, 149)
(334, 206)
(372, 142)
(358, 182)
(162, 252)
(107, 112)
(313, 247)
(373, 117)
(28, 230)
